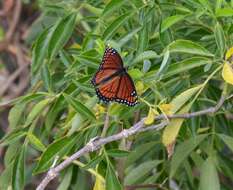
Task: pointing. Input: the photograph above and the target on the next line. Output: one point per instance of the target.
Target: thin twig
(137, 128)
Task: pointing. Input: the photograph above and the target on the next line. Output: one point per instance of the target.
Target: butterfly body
(112, 82)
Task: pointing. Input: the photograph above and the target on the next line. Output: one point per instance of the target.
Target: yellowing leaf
(229, 54)
(166, 108)
(182, 98)
(99, 185)
(151, 116)
(140, 87)
(227, 73)
(171, 131)
(75, 46)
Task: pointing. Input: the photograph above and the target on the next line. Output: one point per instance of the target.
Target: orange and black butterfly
(112, 82)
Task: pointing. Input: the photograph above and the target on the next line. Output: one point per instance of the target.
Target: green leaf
(94, 162)
(15, 115)
(145, 55)
(227, 140)
(66, 180)
(220, 39)
(117, 153)
(169, 21)
(143, 38)
(5, 177)
(140, 151)
(46, 77)
(135, 73)
(60, 34)
(53, 112)
(36, 142)
(186, 46)
(36, 110)
(185, 65)
(114, 26)
(112, 182)
(18, 171)
(58, 148)
(39, 51)
(79, 107)
(141, 171)
(179, 67)
(164, 63)
(112, 6)
(128, 37)
(224, 12)
(209, 177)
(183, 150)
(13, 136)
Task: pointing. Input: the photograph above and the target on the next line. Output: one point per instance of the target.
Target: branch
(93, 145)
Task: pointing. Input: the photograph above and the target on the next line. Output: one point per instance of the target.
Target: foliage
(174, 51)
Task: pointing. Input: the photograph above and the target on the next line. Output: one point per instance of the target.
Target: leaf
(5, 177)
(12, 137)
(227, 140)
(35, 142)
(53, 112)
(39, 51)
(209, 177)
(66, 180)
(18, 175)
(58, 148)
(36, 110)
(164, 63)
(220, 39)
(145, 55)
(79, 107)
(112, 6)
(117, 153)
(140, 171)
(227, 73)
(140, 151)
(112, 182)
(151, 116)
(229, 54)
(128, 37)
(99, 185)
(135, 73)
(93, 162)
(187, 46)
(179, 67)
(146, 65)
(224, 12)
(60, 34)
(113, 27)
(46, 77)
(169, 21)
(143, 38)
(15, 115)
(182, 151)
(182, 98)
(172, 129)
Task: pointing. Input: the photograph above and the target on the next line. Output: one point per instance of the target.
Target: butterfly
(112, 82)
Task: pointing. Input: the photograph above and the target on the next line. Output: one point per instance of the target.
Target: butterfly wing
(107, 92)
(111, 59)
(126, 93)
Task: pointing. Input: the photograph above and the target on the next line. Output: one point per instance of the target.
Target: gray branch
(97, 143)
